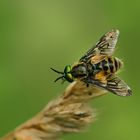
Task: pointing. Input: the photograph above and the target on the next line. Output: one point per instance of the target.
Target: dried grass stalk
(68, 113)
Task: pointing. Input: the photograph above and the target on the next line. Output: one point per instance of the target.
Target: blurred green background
(36, 35)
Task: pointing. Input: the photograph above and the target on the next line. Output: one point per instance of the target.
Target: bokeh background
(38, 34)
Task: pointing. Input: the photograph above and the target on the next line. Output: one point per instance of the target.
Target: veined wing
(116, 85)
(104, 47)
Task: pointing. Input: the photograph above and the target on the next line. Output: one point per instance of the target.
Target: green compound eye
(67, 73)
(67, 69)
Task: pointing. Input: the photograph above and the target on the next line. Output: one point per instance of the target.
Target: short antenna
(57, 71)
(61, 77)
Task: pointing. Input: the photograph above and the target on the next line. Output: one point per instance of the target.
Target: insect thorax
(79, 70)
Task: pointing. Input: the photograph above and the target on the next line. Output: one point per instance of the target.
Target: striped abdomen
(109, 65)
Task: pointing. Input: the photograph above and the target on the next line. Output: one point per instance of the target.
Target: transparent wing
(116, 86)
(104, 47)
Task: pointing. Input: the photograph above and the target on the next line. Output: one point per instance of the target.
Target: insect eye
(69, 77)
(67, 73)
(67, 69)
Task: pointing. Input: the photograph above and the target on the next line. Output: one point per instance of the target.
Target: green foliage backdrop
(36, 35)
